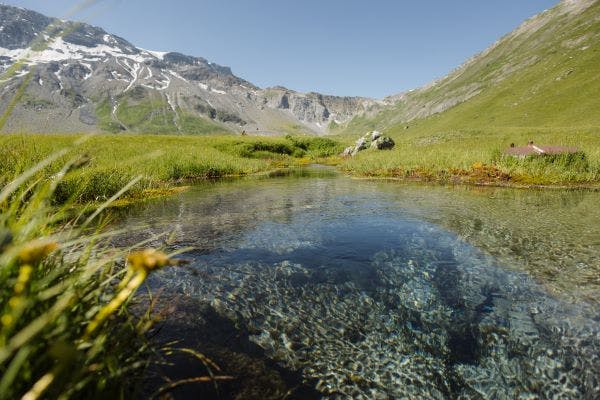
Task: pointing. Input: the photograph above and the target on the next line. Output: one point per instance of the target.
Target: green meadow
(476, 156)
(159, 163)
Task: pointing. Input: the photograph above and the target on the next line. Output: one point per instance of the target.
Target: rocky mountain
(543, 74)
(72, 77)
(61, 76)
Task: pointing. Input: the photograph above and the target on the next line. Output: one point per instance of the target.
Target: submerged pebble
(410, 325)
(375, 291)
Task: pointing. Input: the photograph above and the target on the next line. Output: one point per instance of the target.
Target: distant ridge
(545, 73)
(85, 79)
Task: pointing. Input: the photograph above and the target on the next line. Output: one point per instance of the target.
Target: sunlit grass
(64, 329)
(442, 155)
(111, 161)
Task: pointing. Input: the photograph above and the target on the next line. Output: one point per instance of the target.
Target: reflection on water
(385, 290)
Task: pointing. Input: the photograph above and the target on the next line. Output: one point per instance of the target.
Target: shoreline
(589, 187)
(181, 186)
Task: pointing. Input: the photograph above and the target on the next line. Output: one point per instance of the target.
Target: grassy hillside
(540, 82)
(544, 74)
(151, 113)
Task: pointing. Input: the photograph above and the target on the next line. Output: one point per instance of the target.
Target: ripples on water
(383, 290)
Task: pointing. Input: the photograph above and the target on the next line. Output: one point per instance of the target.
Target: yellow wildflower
(7, 320)
(141, 263)
(35, 251)
(15, 302)
(148, 260)
(24, 275)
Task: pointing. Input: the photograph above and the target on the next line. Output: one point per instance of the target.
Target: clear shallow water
(386, 290)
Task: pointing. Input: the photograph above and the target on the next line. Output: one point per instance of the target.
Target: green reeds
(65, 331)
(111, 161)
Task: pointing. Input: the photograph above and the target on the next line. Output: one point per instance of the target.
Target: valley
(169, 229)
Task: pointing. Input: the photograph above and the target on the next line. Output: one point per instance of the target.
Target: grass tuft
(64, 329)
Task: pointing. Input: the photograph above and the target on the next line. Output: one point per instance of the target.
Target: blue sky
(344, 47)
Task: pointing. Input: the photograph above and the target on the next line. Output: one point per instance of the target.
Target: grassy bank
(163, 163)
(475, 156)
(65, 328)
(65, 331)
(109, 162)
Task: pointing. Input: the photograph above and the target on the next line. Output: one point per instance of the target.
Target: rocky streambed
(330, 287)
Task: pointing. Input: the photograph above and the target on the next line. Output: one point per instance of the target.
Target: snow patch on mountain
(113, 69)
(176, 75)
(60, 50)
(157, 54)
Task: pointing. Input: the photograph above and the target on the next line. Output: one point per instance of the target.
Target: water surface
(371, 289)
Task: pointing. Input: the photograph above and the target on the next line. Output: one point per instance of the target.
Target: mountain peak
(19, 26)
(85, 79)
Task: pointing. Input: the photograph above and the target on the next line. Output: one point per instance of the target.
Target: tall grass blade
(111, 200)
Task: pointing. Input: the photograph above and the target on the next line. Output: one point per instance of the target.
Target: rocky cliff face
(80, 78)
(313, 108)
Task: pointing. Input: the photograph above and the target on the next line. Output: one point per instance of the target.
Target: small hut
(534, 150)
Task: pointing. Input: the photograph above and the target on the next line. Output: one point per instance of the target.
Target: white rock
(375, 135)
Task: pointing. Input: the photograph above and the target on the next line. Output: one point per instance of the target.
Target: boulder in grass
(348, 151)
(361, 143)
(373, 140)
(383, 143)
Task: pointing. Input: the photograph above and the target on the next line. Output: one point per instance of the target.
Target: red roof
(533, 149)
